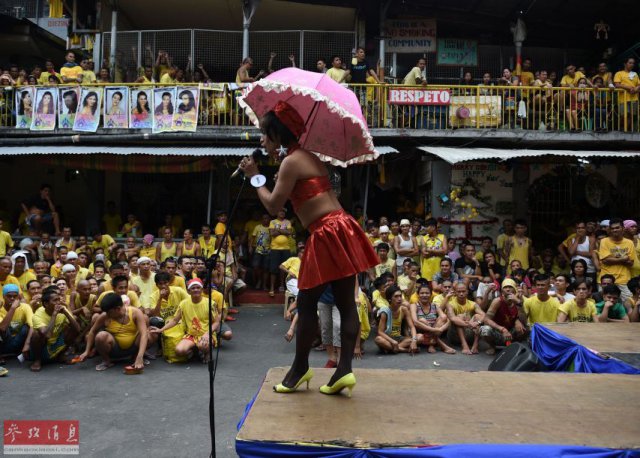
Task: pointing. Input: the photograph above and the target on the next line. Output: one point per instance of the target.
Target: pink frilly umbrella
(336, 130)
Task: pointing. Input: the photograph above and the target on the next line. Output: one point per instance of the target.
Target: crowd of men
(68, 298)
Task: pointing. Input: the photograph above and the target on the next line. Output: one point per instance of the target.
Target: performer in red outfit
(335, 253)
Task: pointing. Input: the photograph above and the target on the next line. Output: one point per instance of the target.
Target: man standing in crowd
(617, 255)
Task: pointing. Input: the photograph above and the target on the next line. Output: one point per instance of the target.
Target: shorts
(452, 335)
(45, 218)
(237, 285)
(12, 345)
(494, 334)
(292, 286)
(260, 260)
(224, 327)
(51, 351)
(195, 340)
(329, 324)
(118, 353)
(277, 257)
(398, 338)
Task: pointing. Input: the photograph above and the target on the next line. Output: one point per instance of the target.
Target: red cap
(289, 117)
(194, 281)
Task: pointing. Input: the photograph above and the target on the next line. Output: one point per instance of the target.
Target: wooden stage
(602, 337)
(396, 408)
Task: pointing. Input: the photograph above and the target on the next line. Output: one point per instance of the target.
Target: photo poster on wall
(46, 102)
(24, 107)
(164, 101)
(68, 102)
(88, 114)
(140, 108)
(116, 107)
(185, 116)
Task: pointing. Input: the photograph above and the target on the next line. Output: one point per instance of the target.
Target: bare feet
(103, 366)
(36, 366)
(474, 350)
(491, 351)
(431, 349)
(466, 351)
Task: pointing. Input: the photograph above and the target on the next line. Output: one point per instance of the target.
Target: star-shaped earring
(282, 151)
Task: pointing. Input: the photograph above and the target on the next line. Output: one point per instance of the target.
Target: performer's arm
(274, 200)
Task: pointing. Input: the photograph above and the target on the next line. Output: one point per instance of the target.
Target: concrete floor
(164, 412)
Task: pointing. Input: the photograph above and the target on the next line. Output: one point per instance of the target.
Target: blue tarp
(558, 353)
(246, 449)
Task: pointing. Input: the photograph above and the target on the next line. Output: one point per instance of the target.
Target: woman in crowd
(390, 338)
(430, 321)
(446, 273)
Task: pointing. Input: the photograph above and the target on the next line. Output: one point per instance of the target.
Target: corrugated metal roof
(455, 155)
(148, 150)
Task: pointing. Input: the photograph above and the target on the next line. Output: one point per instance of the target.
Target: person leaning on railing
(627, 79)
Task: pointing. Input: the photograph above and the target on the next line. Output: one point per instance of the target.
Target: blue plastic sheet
(558, 353)
(247, 449)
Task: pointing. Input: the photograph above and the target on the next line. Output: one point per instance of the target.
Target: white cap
(143, 259)
(405, 222)
(72, 255)
(68, 268)
(384, 229)
(604, 223)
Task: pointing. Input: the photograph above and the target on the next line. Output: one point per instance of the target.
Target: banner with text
(416, 35)
(411, 96)
(452, 51)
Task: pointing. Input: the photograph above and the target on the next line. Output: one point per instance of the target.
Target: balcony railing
(439, 107)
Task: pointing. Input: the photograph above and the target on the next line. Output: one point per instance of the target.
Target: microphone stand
(211, 265)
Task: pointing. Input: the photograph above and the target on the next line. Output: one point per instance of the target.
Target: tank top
(167, 252)
(308, 188)
(403, 244)
(189, 251)
(584, 246)
(430, 316)
(506, 316)
(519, 252)
(396, 324)
(125, 334)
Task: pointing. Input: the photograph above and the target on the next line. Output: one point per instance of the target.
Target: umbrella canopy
(336, 130)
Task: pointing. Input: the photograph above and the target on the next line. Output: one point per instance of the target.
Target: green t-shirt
(617, 312)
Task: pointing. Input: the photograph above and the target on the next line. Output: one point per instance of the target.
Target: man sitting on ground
(466, 317)
(54, 328)
(16, 323)
(611, 308)
(120, 332)
(502, 322)
(541, 307)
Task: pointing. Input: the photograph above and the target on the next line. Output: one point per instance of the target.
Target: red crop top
(308, 188)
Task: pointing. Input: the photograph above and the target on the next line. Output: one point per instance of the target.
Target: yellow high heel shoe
(348, 381)
(280, 388)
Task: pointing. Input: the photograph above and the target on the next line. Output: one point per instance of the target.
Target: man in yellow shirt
(6, 265)
(43, 80)
(617, 255)
(165, 299)
(120, 286)
(466, 317)
(292, 268)
(71, 72)
(207, 242)
(541, 308)
(518, 247)
(416, 75)
(104, 241)
(571, 78)
(145, 281)
(54, 327)
(279, 230)
(628, 80)
(111, 221)
(259, 246)
(5, 240)
(171, 267)
(336, 72)
(16, 323)
(170, 76)
(88, 75)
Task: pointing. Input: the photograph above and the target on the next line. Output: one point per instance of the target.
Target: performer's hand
(357, 353)
(248, 167)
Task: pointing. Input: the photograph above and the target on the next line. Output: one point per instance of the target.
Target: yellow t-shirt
(249, 226)
(5, 242)
(207, 247)
(280, 241)
(567, 80)
(581, 314)
(363, 316)
(519, 252)
(219, 231)
(166, 79)
(112, 223)
(431, 266)
(71, 72)
(628, 79)
(541, 312)
(133, 297)
(105, 243)
(41, 319)
(261, 239)
(527, 78)
(25, 278)
(384, 267)
(379, 300)
(178, 281)
(147, 288)
(195, 317)
(148, 251)
(413, 76)
(88, 77)
(468, 308)
(44, 78)
(23, 315)
(293, 265)
(9, 280)
(336, 74)
(608, 247)
(169, 306)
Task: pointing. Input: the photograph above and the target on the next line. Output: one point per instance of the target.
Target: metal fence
(21, 8)
(442, 107)
(220, 51)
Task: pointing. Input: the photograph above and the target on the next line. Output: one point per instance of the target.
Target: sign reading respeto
(410, 96)
(416, 35)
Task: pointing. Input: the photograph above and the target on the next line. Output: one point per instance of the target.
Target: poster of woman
(45, 103)
(24, 107)
(88, 114)
(67, 106)
(116, 108)
(140, 113)
(163, 102)
(185, 117)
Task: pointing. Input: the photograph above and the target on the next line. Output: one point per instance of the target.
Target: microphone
(256, 155)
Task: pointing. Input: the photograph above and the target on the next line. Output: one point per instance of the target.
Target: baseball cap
(509, 282)
(72, 255)
(383, 229)
(194, 282)
(604, 223)
(405, 222)
(68, 268)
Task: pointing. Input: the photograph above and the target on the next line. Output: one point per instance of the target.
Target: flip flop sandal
(103, 366)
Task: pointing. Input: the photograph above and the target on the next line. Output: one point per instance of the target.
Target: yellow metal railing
(440, 107)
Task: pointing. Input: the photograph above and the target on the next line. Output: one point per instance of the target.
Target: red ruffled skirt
(337, 248)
